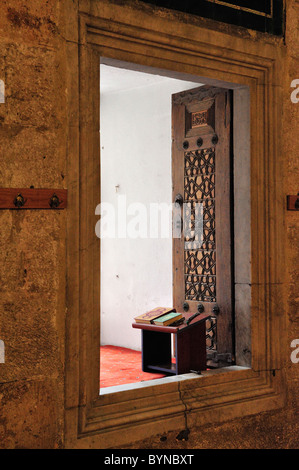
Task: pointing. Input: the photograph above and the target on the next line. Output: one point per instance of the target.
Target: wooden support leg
(191, 349)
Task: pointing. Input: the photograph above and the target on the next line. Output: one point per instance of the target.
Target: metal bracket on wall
(24, 198)
(293, 203)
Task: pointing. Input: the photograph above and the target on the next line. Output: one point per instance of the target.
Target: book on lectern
(150, 316)
(168, 319)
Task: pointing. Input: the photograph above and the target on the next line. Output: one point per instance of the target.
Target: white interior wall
(136, 274)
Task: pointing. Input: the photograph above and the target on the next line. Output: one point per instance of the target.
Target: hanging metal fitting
(179, 199)
(192, 318)
(185, 306)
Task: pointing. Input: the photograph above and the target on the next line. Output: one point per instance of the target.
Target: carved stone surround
(111, 420)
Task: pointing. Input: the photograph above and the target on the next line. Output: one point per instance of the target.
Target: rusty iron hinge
(293, 203)
(31, 198)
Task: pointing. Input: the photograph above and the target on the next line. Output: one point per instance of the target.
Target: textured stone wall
(32, 243)
(33, 152)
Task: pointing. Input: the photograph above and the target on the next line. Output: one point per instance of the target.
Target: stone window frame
(103, 421)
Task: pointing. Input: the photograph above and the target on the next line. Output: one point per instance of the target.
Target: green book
(168, 318)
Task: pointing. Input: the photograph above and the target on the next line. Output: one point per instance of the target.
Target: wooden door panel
(201, 172)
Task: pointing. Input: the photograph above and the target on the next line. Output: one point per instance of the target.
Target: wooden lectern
(190, 346)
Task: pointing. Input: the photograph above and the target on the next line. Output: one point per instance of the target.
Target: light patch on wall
(2, 92)
(2, 352)
(295, 93)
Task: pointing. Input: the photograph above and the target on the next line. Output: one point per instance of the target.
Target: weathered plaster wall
(34, 151)
(145, 109)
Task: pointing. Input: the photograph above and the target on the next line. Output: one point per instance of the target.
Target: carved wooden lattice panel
(199, 228)
(211, 337)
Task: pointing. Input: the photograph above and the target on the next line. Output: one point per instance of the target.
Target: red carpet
(120, 366)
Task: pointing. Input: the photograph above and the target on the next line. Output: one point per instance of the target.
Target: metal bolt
(200, 308)
(19, 201)
(199, 142)
(216, 310)
(215, 139)
(54, 201)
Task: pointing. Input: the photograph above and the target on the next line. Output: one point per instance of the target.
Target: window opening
(136, 266)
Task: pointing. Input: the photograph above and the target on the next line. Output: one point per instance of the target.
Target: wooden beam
(24, 198)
